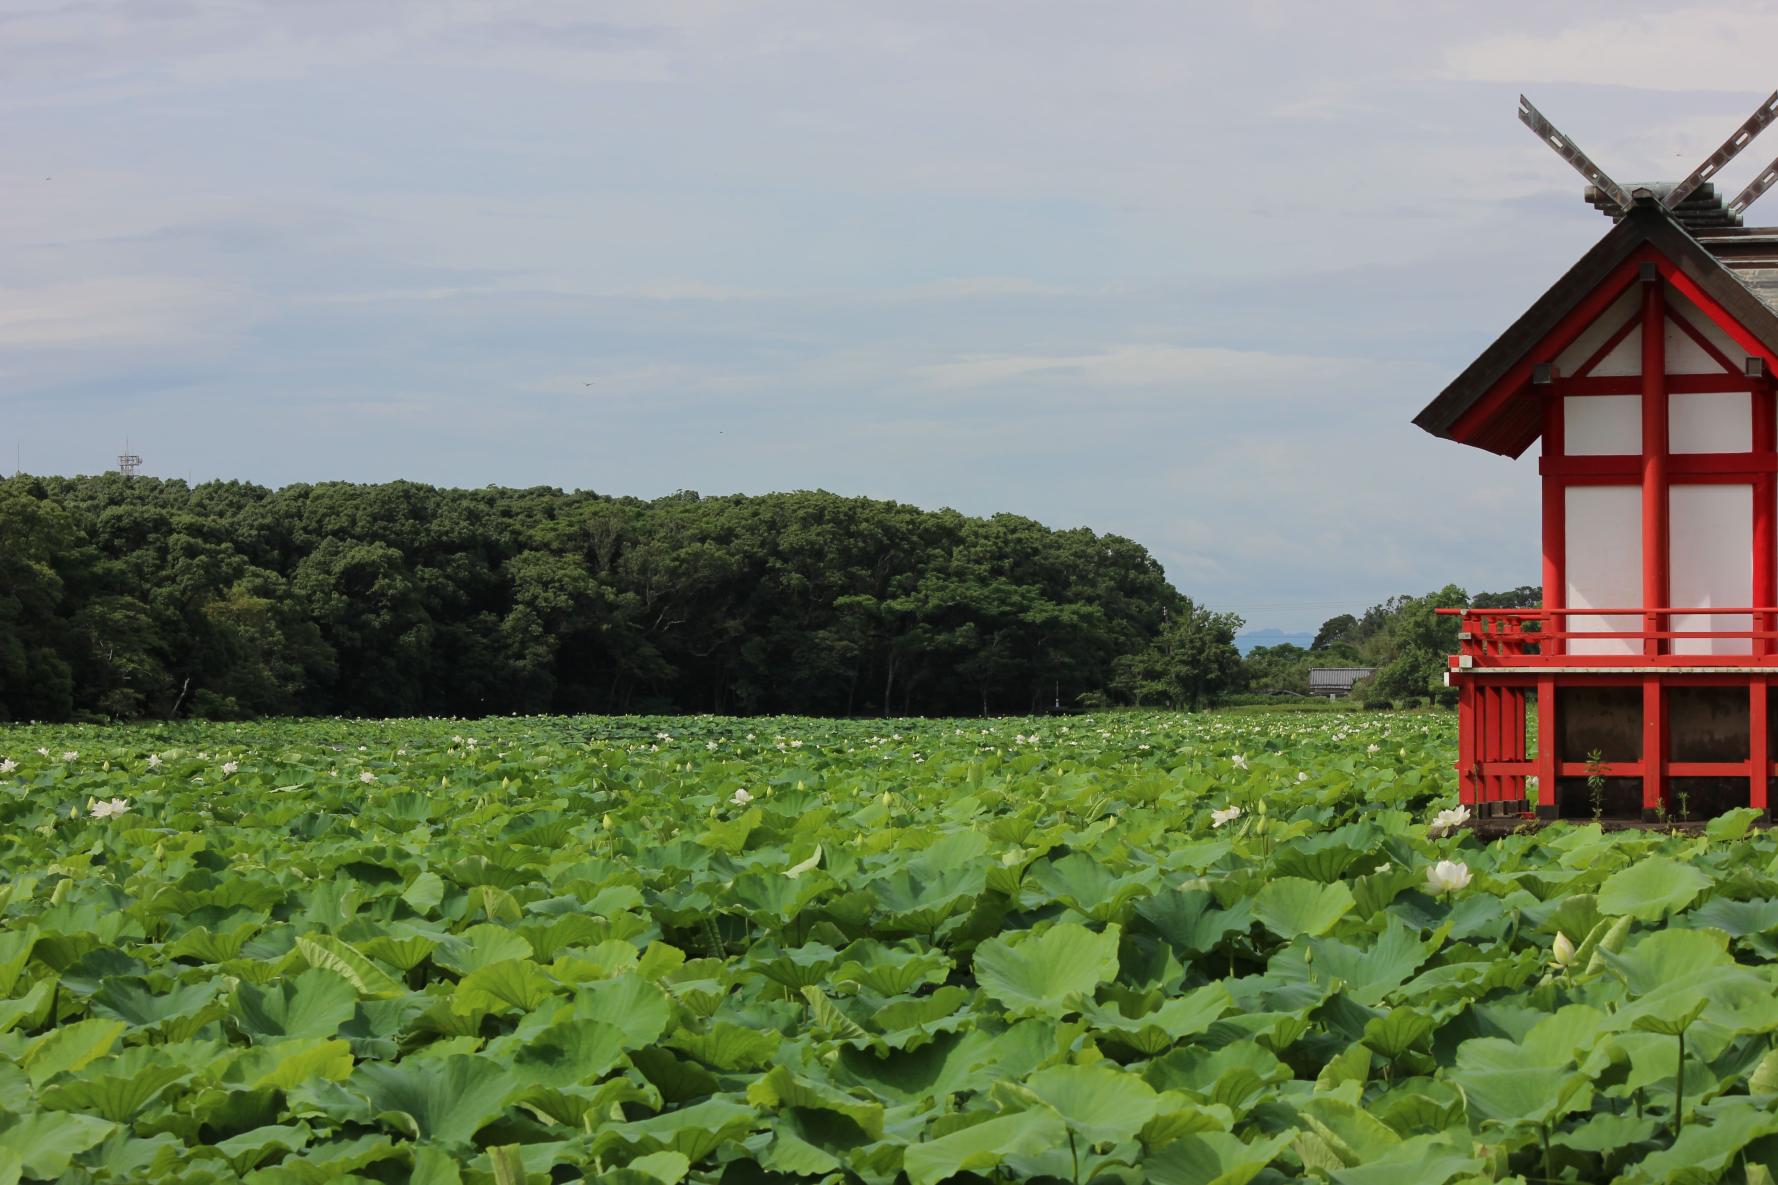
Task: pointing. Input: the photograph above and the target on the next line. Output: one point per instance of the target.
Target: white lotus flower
(809, 865)
(1447, 876)
(710, 745)
(8, 766)
(1373, 747)
(1227, 814)
(1563, 950)
(229, 767)
(1239, 760)
(740, 797)
(107, 809)
(1302, 775)
(1446, 822)
(367, 777)
(43, 752)
(154, 761)
(70, 755)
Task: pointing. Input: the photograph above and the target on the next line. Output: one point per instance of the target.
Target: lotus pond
(1132, 948)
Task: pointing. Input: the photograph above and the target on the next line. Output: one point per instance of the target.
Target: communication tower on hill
(128, 462)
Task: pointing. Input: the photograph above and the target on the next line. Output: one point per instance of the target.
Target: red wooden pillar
(1555, 521)
(1547, 746)
(1654, 454)
(1765, 530)
(1466, 747)
(1758, 747)
(1654, 746)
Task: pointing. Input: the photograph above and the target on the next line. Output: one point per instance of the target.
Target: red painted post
(1555, 521)
(1654, 454)
(1547, 745)
(1765, 531)
(1758, 747)
(1466, 714)
(1654, 749)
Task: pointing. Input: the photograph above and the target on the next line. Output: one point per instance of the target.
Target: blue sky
(1180, 272)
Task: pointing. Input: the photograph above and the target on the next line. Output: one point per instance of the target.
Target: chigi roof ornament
(1692, 201)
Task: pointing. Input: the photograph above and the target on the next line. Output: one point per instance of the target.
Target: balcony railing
(1671, 636)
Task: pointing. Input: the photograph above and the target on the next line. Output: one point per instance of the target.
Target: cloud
(1213, 368)
(1691, 48)
(153, 311)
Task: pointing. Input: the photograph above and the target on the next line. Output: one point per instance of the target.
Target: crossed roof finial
(1569, 151)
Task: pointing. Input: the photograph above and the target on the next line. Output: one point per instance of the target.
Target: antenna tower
(128, 462)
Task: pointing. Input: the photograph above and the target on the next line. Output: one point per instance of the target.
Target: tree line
(131, 598)
(1404, 639)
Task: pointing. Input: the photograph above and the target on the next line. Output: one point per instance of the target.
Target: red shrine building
(1646, 371)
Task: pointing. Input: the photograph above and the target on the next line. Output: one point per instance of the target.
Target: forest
(138, 598)
(124, 598)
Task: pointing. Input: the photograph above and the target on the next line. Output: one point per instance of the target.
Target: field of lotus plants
(1179, 950)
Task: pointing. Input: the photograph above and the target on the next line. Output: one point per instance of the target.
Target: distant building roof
(1329, 679)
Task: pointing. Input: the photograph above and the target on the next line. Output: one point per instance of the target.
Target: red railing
(1494, 638)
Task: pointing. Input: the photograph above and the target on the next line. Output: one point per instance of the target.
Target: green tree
(1192, 661)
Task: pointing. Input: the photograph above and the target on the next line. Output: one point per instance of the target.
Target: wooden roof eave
(1491, 406)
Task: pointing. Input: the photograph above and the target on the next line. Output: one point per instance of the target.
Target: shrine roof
(1735, 266)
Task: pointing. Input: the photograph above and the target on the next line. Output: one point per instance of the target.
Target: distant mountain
(1249, 640)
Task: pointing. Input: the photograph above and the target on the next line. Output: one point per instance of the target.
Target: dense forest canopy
(130, 598)
(125, 598)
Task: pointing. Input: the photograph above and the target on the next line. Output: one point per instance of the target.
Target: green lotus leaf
(1431, 1158)
(69, 1047)
(250, 1148)
(513, 983)
(1509, 1083)
(425, 892)
(983, 1145)
(694, 1131)
(1732, 824)
(29, 1008)
(797, 968)
(1650, 889)
(1371, 973)
(1102, 1104)
(1159, 1030)
(1084, 885)
(327, 953)
(114, 1092)
(448, 1099)
(780, 1088)
(569, 1053)
(1189, 920)
(1351, 1133)
(283, 1064)
(668, 1168)
(45, 1143)
(1705, 1151)
(1667, 956)
(1292, 906)
(1325, 858)
(725, 1046)
(1213, 1158)
(480, 946)
(1737, 919)
(888, 970)
(1398, 1031)
(1042, 971)
(313, 1004)
(634, 1006)
(831, 1019)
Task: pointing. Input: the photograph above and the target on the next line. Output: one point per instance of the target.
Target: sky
(1182, 272)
